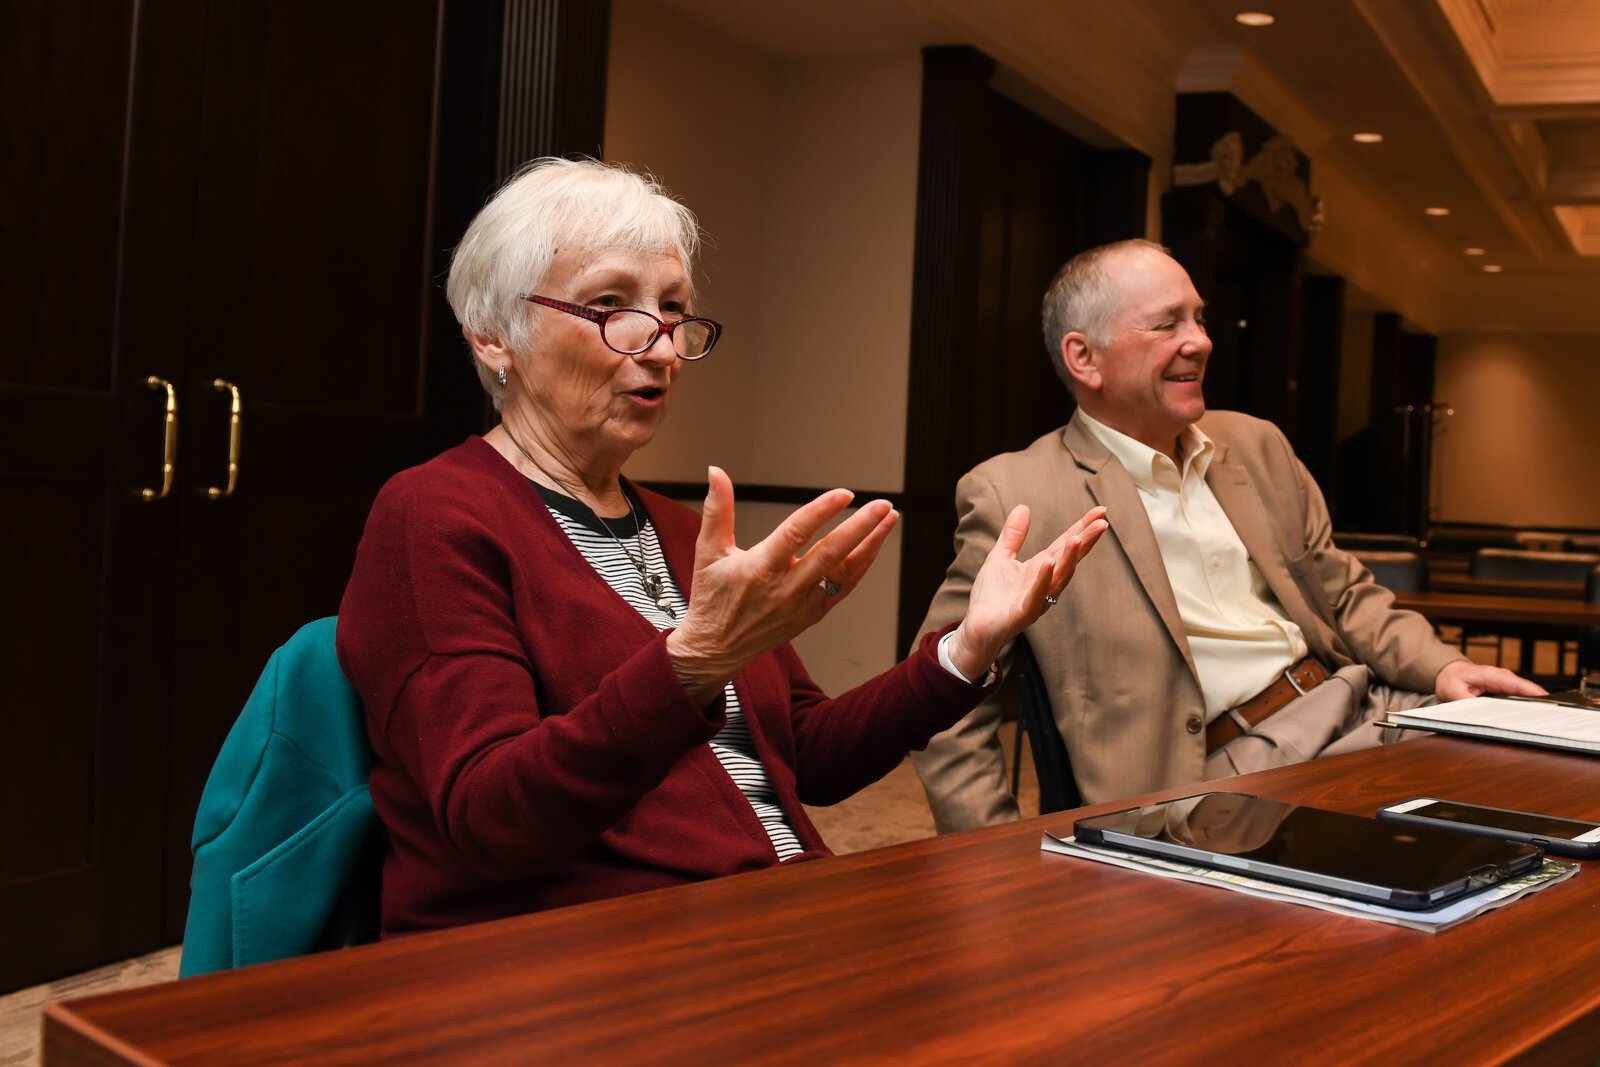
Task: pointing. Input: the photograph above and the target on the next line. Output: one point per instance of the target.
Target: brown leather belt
(1290, 685)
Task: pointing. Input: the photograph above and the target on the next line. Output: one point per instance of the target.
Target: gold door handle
(169, 443)
(235, 419)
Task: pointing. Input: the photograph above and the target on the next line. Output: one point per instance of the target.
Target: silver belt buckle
(1288, 675)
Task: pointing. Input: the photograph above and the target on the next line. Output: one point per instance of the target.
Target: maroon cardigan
(534, 746)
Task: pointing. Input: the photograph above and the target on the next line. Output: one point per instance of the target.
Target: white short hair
(1085, 297)
(578, 207)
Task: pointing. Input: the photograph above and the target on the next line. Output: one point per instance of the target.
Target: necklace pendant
(658, 592)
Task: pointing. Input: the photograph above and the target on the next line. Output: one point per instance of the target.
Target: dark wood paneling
(943, 310)
(64, 88)
(1003, 200)
(1321, 344)
(554, 87)
(273, 204)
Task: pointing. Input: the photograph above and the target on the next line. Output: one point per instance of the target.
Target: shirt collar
(1141, 461)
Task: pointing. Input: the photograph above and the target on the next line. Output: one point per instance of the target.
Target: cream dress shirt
(1238, 634)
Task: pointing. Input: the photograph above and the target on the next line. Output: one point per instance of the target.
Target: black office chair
(1530, 565)
(1376, 542)
(1589, 642)
(1462, 541)
(1403, 572)
(1058, 789)
(1522, 565)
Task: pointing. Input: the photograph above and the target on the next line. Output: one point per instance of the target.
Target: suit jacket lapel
(1259, 530)
(1111, 486)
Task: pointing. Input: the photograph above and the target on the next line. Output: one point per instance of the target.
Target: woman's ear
(1081, 361)
(491, 353)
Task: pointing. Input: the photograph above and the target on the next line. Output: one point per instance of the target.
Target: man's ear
(491, 353)
(1079, 360)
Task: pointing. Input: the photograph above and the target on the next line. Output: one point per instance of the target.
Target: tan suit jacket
(1113, 653)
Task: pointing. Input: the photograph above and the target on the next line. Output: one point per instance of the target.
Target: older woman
(576, 688)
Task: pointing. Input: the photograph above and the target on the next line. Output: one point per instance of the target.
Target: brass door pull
(235, 418)
(169, 443)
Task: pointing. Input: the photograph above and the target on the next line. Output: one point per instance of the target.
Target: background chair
(1058, 789)
(1379, 542)
(287, 848)
(1403, 572)
(1589, 643)
(1507, 564)
(1532, 565)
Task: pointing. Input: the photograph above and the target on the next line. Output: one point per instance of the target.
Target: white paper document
(1526, 721)
(1427, 921)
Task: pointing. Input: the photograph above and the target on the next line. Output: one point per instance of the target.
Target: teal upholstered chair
(287, 848)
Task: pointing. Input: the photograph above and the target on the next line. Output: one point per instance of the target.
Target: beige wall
(803, 174)
(1523, 447)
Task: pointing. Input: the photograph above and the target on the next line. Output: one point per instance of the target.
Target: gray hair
(554, 205)
(1084, 297)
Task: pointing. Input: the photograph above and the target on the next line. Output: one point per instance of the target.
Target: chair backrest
(1507, 563)
(1058, 789)
(1463, 541)
(1403, 572)
(287, 848)
(1376, 542)
(1589, 639)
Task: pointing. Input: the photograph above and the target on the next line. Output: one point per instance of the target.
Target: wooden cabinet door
(257, 194)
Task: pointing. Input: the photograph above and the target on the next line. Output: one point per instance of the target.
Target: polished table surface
(975, 947)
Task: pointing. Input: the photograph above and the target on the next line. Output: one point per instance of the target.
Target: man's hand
(1463, 679)
(1008, 594)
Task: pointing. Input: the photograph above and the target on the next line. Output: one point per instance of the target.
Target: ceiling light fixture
(1254, 18)
(1492, 268)
(1436, 212)
(1366, 138)
(1474, 251)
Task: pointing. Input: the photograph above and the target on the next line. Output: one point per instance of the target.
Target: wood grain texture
(975, 946)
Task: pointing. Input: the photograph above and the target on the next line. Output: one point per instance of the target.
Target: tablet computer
(1401, 866)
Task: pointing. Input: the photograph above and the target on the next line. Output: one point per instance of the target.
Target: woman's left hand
(1008, 594)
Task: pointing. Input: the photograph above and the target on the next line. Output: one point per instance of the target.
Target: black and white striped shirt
(608, 553)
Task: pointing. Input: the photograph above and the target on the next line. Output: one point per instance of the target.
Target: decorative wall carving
(1273, 168)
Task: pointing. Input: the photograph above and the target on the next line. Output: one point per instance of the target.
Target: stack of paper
(1428, 921)
(1527, 722)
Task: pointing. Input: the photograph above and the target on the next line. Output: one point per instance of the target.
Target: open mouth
(648, 393)
(1183, 377)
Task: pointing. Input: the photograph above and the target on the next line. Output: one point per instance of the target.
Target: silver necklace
(654, 584)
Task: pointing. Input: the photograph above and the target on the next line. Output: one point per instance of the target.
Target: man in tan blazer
(1217, 630)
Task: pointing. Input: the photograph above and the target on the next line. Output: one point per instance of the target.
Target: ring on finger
(829, 587)
(1050, 600)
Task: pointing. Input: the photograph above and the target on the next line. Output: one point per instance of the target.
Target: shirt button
(1194, 725)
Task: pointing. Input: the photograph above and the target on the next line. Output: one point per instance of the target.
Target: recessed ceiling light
(1254, 18)
(1492, 268)
(1436, 212)
(1366, 138)
(1474, 251)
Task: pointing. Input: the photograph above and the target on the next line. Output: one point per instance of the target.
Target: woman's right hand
(743, 603)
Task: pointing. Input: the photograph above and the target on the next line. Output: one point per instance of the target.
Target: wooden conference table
(975, 947)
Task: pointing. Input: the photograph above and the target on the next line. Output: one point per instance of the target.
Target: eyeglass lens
(634, 331)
